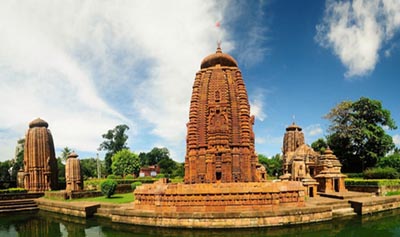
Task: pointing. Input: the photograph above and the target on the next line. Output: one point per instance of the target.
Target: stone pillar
(73, 177)
(40, 164)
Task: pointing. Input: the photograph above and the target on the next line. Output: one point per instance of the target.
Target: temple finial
(219, 50)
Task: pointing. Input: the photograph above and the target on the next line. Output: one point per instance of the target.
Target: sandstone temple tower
(220, 138)
(40, 164)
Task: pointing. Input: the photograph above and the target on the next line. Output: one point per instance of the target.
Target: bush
(129, 176)
(372, 182)
(13, 190)
(355, 175)
(135, 184)
(381, 173)
(108, 187)
(158, 176)
(113, 176)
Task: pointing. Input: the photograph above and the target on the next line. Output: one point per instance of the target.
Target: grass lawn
(116, 199)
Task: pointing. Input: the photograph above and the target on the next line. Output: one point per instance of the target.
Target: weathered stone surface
(229, 219)
(220, 138)
(364, 206)
(218, 197)
(40, 164)
(222, 174)
(317, 172)
(82, 209)
(73, 177)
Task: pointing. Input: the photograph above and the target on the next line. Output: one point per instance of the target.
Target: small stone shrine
(40, 164)
(222, 173)
(317, 172)
(73, 177)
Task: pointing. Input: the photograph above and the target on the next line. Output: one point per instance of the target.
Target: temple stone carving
(73, 177)
(220, 138)
(317, 172)
(40, 164)
(222, 173)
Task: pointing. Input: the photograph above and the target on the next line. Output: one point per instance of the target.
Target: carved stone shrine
(220, 138)
(222, 173)
(40, 164)
(73, 177)
(317, 172)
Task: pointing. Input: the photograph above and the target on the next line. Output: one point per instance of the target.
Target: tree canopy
(65, 153)
(161, 157)
(357, 134)
(114, 141)
(125, 162)
(272, 165)
(319, 145)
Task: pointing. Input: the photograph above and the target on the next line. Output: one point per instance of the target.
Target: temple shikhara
(40, 164)
(318, 172)
(220, 138)
(222, 173)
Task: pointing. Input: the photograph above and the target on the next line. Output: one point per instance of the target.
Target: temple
(222, 173)
(318, 172)
(73, 177)
(40, 164)
(220, 138)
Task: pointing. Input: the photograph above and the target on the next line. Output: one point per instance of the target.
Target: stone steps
(18, 205)
(341, 212)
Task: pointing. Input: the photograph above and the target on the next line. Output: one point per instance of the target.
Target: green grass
(116, 199)
(392, 193)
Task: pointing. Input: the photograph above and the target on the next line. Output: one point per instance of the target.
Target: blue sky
(88, 66)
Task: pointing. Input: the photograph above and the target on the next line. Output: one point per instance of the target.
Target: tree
(356, 134)
(115, 140)
(179, 170)
(319, 145)
(125, 162)
(65, 153)
(89, 168)
(392, 161)
(156, 155)
(273, 165)
(19, 158)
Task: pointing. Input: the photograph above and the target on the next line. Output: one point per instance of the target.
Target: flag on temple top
(218, 24)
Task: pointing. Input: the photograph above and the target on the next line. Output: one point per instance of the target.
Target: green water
(49, 224)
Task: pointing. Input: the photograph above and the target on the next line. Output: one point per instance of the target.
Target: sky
(88, 66)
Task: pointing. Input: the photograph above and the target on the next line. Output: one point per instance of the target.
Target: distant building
(150, 171)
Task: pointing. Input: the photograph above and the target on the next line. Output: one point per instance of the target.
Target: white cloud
(257, 104)
(85, 67)
(356, 31)
(313, 130)
(396, 139)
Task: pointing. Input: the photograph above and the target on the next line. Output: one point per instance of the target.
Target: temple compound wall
(40, 164)
(219, 197)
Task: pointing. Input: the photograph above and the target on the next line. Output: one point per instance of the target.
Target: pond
(49, 224)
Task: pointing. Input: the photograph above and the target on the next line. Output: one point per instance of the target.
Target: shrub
(13, 190)
(381, 173)
(108, 187)
(129, 176)
(160, 176)
(135, 184)
(113, 176)
(355, 175)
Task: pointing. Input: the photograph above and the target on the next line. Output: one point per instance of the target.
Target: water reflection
(50, 224)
